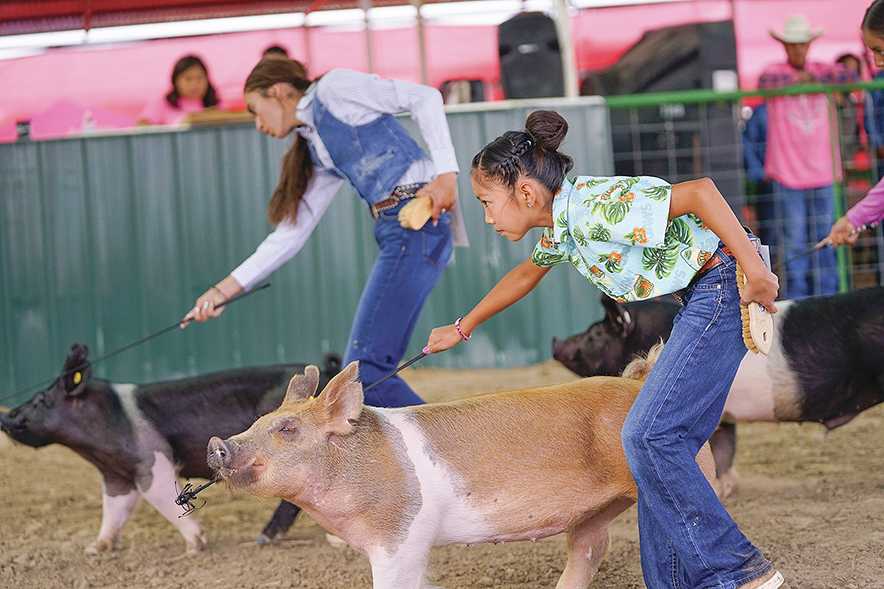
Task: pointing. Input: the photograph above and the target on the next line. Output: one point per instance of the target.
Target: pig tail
(640, 366)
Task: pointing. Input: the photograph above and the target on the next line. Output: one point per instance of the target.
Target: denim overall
(687, 538)
(373, 158)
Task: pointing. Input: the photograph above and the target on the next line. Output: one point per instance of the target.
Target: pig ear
(343, 399)
(621, 319)
(76, 371)
(302, 386)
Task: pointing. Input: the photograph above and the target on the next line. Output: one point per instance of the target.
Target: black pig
(826, 365)
(627, 330)
(143, 437)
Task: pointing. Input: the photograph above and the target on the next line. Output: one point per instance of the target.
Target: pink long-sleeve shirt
(870, 209)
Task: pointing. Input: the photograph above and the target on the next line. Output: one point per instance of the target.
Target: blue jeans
(687, 539)
(409, 265)
(807, 216)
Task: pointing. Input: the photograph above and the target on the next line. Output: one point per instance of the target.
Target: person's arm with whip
(865, 214)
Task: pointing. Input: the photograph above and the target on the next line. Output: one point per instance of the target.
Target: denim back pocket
(438, 242)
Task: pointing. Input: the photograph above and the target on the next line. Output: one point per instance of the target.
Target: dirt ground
(812, 501)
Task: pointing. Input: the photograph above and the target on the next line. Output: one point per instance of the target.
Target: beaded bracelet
(215, 286)
(457, 327)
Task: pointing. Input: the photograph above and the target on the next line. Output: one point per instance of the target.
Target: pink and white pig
(498, 467)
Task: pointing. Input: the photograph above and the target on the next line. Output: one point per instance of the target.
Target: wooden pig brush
(416, 212)
(758, 327)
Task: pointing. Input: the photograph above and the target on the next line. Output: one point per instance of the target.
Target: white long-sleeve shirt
(356, 99)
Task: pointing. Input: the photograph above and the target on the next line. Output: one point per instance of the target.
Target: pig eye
(288, 430)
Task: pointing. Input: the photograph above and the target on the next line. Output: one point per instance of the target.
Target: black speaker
(682, 57)
(530, 58)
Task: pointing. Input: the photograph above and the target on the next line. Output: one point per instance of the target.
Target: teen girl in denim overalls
(347, 132)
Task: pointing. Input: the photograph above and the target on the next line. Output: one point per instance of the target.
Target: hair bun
(547, 127)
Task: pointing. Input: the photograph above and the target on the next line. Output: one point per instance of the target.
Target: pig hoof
(271, 534)
(193, 547)
(728, 483)
(99, 546)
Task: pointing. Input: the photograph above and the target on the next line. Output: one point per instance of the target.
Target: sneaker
(772, 580)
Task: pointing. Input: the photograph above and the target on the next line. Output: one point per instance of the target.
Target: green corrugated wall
(108, 239)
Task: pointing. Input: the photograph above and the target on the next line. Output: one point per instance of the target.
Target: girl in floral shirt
(635, 238)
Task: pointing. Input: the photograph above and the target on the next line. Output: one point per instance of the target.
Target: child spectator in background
(849, 112)
(191, 92)
(759, 193)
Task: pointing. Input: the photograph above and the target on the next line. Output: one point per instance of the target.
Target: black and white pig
(826, 364)
(497, 467)
(143, 437)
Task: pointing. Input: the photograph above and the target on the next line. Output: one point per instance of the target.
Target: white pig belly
(445, 516)
(751, 394)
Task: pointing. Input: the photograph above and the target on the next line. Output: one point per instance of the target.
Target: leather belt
(713, 262)
(400, 193)
(717, 261)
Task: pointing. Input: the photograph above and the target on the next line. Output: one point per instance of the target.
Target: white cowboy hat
(797, 30)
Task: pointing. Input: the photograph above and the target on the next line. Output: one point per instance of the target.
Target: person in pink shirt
(191, 92)
(800, 160)
(870, 210)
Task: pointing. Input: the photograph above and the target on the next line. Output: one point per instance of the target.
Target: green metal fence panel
(684, 135)
(107, 239)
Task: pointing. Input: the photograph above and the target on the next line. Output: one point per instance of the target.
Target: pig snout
(6, 424)
(219, 455)
(234, 463)
(16, 420)
(563, 352)
(556, 348)
(570, 355)
(19, 426)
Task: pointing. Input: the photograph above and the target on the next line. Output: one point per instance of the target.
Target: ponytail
(297, 167)
(294, 175)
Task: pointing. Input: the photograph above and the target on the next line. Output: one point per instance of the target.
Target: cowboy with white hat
(796, 38)
(799, 159)
(797, 30)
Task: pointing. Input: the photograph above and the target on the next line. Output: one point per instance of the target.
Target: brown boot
(772, 580)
